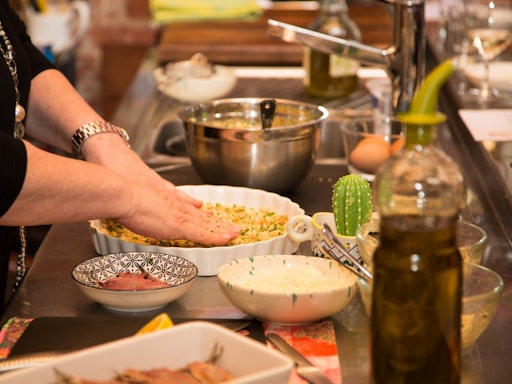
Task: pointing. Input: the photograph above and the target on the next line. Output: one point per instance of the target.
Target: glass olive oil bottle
(331, 76)
(417, 286)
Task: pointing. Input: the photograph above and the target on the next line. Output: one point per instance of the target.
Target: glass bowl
(471, 241)
(369, 142)
(482, 290)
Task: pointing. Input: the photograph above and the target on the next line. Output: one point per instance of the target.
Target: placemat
(317, 341)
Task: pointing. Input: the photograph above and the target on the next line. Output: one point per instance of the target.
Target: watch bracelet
(90, 129)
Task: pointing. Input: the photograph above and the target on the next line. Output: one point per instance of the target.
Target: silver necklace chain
(7, 52)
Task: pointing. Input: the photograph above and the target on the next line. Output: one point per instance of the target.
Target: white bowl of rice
(262, 215)
(287, 289)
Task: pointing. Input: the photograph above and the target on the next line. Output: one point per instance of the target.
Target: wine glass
(489, 29)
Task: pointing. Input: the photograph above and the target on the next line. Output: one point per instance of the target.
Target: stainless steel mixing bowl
(227, 144)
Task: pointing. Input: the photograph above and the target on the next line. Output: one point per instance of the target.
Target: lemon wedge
(159, 322)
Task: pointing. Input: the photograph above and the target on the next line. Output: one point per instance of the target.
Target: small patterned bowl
(179, 273)
(287, 289)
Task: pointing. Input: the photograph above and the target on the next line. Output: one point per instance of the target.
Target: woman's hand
(183, 218)
(166, 214)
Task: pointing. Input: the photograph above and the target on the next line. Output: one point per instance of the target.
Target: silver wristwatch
(90, 129)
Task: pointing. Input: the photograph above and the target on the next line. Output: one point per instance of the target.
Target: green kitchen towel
(165, 11)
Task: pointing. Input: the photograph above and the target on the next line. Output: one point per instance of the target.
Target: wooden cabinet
(119, 67)
(225, 42)
(245, 42)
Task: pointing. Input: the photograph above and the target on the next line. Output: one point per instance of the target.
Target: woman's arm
(58, 189)
(56, 111)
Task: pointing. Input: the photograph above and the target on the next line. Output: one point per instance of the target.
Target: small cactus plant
(352, 204)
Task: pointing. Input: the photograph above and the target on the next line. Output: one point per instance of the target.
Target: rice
(291, 279)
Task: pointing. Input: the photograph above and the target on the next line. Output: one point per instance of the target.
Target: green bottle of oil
(417, 286)
(331, 76)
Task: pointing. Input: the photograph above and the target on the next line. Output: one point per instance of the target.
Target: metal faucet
(404, 60)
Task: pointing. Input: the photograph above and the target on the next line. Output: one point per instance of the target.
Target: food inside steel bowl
(227, 143)
(252, 121)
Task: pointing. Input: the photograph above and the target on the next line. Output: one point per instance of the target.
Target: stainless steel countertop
(48, 289)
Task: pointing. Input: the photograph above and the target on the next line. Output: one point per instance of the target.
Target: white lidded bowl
(196, 89)
(208, 260)
(287, 289)
(179, 273)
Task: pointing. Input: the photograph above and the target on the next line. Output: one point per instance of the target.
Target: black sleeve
(13, 167)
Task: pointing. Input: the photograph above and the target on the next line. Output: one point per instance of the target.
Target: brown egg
(397, 145)
(369, 153)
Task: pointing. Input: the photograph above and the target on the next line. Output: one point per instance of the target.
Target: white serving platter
(208, 260)
(248, 360)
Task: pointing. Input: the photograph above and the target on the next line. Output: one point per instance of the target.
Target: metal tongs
(340, 254)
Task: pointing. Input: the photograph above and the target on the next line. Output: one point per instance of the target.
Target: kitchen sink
(164, 144)
(170, 140)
